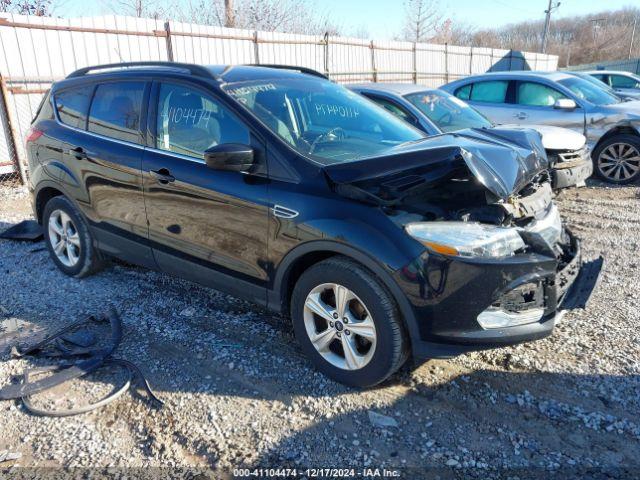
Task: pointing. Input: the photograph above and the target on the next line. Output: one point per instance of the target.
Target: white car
(435, 112)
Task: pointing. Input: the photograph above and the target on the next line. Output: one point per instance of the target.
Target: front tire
(348, 324)
(68, 239)
(617, 159)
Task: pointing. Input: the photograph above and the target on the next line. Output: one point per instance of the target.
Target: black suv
(281, 187)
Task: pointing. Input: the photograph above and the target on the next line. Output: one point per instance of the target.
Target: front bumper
(448, 294)
(572, 171)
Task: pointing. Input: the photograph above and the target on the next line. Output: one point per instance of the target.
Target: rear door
(205, 225)
(490, 98)
(102, 161)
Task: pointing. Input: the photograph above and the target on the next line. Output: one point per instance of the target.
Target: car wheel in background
(348, 324)
(617, 159)
(68, 239)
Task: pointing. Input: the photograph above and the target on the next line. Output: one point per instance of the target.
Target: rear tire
(68, 239)
(617, 159)
(365, 345)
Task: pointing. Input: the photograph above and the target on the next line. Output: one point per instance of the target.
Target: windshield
(588, 91)
(323, 120)
(449, 113)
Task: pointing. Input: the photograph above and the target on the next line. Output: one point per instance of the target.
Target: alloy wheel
(64, 238)
(619, 161)
(340, 326)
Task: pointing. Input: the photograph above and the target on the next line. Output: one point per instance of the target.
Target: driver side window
(190, 122)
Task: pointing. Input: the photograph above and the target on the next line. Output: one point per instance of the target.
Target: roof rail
(309, 71)
(196, 70)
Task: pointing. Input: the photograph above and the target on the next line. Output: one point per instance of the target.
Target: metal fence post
(256, 48)
(446, 63)
(470, 60)
(373, 61)
(167, 29)
(415, 62)
(13, 138)
(326, 53)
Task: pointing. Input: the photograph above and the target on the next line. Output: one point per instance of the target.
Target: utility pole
(547, 23)
(229, 14)
(633, 34)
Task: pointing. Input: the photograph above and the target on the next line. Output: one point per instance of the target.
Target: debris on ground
(70, 344)
(26, 230)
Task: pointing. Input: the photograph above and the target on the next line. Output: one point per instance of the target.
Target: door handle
(162, 176)
(521, 115)
(77, 152)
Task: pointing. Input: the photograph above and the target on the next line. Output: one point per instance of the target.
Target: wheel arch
(310, 253)
(43, 195)
(617, 130)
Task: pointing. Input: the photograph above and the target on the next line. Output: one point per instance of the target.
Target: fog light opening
(494, 317)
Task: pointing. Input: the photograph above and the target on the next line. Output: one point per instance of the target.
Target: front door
(205, 225)
(534, 105)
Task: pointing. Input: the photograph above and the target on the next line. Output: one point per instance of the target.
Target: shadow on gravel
(486, 424)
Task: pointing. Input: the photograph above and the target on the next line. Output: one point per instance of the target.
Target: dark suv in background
(283, 188)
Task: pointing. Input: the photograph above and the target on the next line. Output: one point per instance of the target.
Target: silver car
(435, 112)
(611, 125)
(626, 95)
(621, 82)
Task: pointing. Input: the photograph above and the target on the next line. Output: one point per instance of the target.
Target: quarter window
(537, 95)
(116, 110)
(72, 105)
(392, 107)
(190, 122)
(490, 92)
(464, 93)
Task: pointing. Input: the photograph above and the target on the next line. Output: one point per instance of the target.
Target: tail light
(32, 135)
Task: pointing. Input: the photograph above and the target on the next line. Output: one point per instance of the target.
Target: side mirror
(232, 157)
(565, 104)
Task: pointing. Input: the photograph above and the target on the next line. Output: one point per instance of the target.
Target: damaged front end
(498, 261)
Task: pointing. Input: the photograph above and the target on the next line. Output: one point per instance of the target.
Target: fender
(276, 296)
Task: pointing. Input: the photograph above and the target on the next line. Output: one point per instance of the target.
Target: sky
(382, 19)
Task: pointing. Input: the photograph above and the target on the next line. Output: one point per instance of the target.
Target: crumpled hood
(504, 160)
(556, 138)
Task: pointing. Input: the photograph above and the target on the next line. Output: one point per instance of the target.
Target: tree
(584, 39)
(291, 16)
(139, 8)
(422, 20)
(39, 8)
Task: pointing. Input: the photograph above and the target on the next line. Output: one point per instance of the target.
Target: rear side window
(464, 93)
(620, 81)
(116, 110)
(491, 92)
(537, 95)
(72, 105)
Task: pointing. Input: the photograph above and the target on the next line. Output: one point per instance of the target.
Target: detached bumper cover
(448, 294)
(571, 169)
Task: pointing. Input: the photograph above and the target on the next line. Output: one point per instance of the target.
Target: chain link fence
(36, 51)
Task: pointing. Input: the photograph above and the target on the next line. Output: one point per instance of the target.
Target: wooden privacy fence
(36, 51)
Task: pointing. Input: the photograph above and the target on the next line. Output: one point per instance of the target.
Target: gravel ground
(239, 393)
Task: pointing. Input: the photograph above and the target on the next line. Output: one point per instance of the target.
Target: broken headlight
(466, 239)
